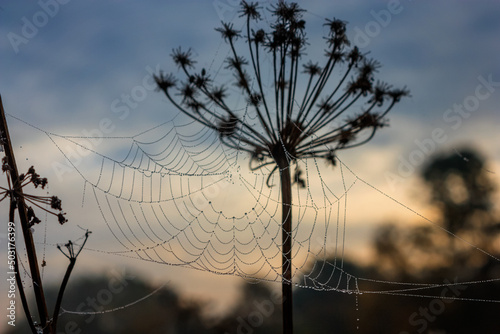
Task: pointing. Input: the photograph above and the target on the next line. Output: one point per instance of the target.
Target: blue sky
(91, 52)
(83, 57)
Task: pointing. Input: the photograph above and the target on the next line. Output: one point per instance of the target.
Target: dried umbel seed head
(61, 218)
(295, 108)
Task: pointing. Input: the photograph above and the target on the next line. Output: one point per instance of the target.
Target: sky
(69, 68)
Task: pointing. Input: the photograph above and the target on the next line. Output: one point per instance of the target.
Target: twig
(72, 260)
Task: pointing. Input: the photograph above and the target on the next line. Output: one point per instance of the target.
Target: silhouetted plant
(461, 191)
(15, 193)
(291, 126)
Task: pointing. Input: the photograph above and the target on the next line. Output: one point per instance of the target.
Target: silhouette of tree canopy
(461, 190)
(163, 312)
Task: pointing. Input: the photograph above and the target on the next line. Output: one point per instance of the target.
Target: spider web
(186, 200)
(174, 195)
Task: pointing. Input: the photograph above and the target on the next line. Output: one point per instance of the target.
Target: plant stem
(72, 260)
(286, 236)
(28, 237)
(19, 282)
(60, 295)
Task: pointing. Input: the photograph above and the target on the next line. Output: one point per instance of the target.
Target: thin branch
(249, 95)
(72, 260)
(19, 282)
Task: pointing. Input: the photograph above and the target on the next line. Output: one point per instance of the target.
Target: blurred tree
(461, 191)
(319, 312)
(164, 312)
(461, 188)
(325, 312)
(258, 310)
